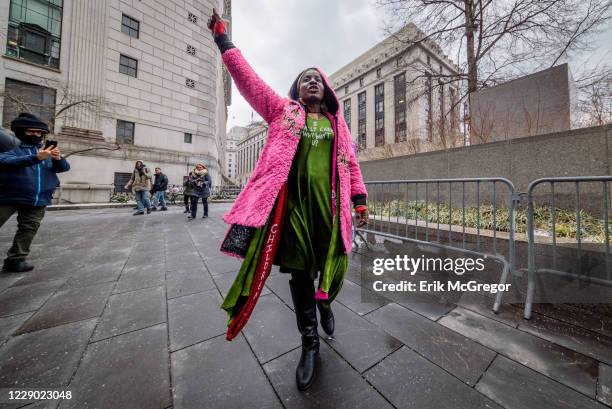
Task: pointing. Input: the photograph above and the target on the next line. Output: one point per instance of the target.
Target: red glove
(216, 24)
(362, 215)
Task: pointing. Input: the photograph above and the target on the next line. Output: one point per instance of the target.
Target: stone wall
(581, 152)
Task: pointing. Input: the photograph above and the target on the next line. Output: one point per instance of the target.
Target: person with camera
(28, 177)
(159, 190)
(200, 182)
(187, 190)
(140, 184)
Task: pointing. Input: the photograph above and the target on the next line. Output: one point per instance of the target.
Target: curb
(92, 206)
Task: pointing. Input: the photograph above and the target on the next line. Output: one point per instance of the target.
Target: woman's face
(311, 87)
(138, 164)
(200, 168)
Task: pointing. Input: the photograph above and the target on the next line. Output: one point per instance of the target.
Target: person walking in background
(140, 184)
(159, 189)
(28, 176)
(200, 184)
(187, 192)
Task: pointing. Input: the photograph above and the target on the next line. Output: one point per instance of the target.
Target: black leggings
(186, 200)
(194, 205)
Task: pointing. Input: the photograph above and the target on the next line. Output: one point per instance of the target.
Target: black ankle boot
(16, 266)
(302, 293)
(327, 317)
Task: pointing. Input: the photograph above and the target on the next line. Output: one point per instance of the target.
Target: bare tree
(69, 107)
(494, 41)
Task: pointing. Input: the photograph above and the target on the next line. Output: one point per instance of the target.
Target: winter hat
(27, 121)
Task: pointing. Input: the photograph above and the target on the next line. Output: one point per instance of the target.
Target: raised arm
(258, 94)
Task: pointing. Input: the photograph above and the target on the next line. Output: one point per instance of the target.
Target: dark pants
(186, 200)
(28, 221)
(194, 205)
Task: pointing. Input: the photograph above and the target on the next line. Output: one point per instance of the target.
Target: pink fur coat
(286, 119)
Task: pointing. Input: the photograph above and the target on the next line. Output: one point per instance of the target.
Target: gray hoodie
(8, 141)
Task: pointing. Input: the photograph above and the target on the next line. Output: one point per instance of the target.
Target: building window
(378, 73)
(361, 82)
(187, 137)
(121, 179)
(38, 100)
(361, 121)
(379, 114)
(429, 107)
(192, 17)
(125, 132)
(35, 30)
(191, 50)
(347, 112)
(346, 89)
(399, 90)
(128, 65)
(130, 26)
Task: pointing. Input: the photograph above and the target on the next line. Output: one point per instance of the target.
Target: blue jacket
(24, 179)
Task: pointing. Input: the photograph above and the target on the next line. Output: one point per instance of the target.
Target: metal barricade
(396, 203)
(533, 269)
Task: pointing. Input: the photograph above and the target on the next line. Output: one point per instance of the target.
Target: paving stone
(271, 330)
(350, 296)
(138, 279)
(508, 314)
(195, 318)
(361, 343)
(575, 338)
(131, 311)
(183, 282)
(92, 275)
(590, 320)
(46, 358)
(566, 366)
(128, 371)
(69, 306)
(225, 281)
(51, 274)
(336, 385)
(515, 386)
(410, 381)
(223, 265)
(220, 374)
(427, 305)
(23, 298)
(279, 285)
(604, 389)
(7, 280)
(455, 353)
(8, 325)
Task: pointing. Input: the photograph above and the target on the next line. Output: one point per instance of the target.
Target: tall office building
(119, 81)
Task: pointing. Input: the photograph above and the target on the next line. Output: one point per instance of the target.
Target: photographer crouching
(28, 176)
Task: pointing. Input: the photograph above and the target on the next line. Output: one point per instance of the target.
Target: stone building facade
(248, 149)
(234, 136)
(539, 103)
(400, 97)
(122, 80)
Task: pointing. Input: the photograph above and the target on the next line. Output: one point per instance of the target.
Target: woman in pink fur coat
(295, 210)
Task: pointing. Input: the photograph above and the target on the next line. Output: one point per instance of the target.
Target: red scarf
(264, 265)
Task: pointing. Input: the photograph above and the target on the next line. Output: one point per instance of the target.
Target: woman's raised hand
(216, 23)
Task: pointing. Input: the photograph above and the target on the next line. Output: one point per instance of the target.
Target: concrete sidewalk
(123, 311)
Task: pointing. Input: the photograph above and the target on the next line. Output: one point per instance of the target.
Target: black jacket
(161, 183)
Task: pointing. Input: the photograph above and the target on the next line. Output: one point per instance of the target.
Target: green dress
(310, 238)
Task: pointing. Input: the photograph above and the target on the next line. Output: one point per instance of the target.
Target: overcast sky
(280, 38)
